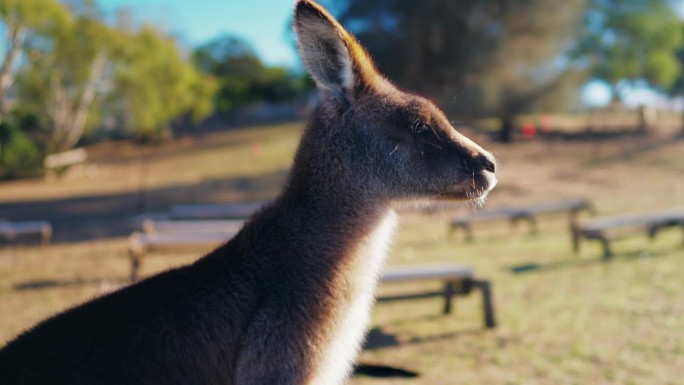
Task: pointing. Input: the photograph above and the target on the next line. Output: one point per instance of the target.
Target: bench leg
(575, 234)
(448, 297)
(136, 260)
(654, 229)
(467, 231)
(653, 232)
(607, 252)
(46, 235)
(487, 303)
(530, 220)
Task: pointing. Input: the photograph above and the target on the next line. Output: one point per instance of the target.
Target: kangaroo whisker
(431, 144)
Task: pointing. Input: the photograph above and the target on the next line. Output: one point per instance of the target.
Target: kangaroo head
(372, 137)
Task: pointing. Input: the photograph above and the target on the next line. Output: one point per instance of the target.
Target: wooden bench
(215, 211)
(523, 213)
(188, 226)
(11, 230)
(142, 243)
(458, 280)
(57, 163)
(166, 234)
(600, 229)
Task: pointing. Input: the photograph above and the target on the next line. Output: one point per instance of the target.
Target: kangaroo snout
(487, 168)
(486, 161)
(489, 165)
(480, 159)
(482, 165)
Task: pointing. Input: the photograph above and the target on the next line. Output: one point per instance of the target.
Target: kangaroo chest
(349, 322)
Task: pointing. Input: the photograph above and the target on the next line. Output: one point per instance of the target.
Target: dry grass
(563, 319)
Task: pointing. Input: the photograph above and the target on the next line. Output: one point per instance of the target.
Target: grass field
(563, 318)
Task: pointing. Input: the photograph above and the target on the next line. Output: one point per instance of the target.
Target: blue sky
(263, 23)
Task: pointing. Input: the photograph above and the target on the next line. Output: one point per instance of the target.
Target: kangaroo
(287, 300)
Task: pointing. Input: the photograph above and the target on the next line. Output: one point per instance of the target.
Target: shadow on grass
(383, 371)
(110, 215)
(483, 234)
(377, 339)
(553, 266)
(42, 284)
(407, 320)
(534, 267)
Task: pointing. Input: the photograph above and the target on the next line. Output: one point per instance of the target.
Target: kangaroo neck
(342, 215)
(312, 227)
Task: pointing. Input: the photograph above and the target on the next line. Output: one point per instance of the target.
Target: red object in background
(529, 131)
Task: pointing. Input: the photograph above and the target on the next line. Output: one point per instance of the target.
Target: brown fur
(287, 300)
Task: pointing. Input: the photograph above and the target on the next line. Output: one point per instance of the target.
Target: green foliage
(156, 85)
(243, 78)
(21, 19)
(43, 16)
(630, 40)
(65, 77)
(86, 72)
(19, 155)
(677, 87)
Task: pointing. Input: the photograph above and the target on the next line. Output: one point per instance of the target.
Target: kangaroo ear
(334, 58)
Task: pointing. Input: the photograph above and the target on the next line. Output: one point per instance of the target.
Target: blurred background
(114, 111)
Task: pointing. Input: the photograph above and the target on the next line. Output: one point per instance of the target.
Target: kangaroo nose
(489, 165)
(487, 161)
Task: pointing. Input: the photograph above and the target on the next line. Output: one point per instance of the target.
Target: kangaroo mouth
(476, 188)
(463, 195)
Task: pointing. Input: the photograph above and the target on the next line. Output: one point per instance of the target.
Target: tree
(504, 56)
(528, 68)
(77, 76)
(676, 89)
(154, 84)
(631, 40)
(243, 78)
(65, 76)
(21, 18)
(19, 154)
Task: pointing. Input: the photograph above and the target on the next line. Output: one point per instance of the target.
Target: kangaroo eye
(420, 127)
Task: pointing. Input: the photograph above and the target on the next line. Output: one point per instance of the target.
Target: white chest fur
(352, 319)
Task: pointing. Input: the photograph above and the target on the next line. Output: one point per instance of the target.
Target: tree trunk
(506, 130)
(647, 118)
(83, 107)
(69, 113)
(15, 39)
